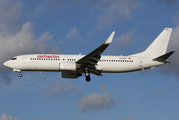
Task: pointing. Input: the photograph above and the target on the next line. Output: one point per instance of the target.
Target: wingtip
(168, 28)
(109, 40)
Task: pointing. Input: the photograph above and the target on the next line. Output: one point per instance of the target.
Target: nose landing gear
(17, 70)
(20, 75)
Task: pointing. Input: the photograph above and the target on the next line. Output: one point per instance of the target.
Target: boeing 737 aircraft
(73, 66)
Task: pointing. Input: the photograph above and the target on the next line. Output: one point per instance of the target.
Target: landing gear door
(140, 62)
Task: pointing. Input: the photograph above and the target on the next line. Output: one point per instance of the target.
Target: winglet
(109, 40)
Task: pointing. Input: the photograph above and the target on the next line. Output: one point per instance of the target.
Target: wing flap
(93, 63)
(93, 58)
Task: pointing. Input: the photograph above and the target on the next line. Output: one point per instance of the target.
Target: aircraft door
(24, 64)
(23, 59)
(28, 64)
(140, 62)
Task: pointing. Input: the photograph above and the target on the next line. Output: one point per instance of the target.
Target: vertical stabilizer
(158, 46)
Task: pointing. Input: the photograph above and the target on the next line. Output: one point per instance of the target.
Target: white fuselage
(107, 64)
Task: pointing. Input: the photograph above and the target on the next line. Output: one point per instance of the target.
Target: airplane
(73, 66)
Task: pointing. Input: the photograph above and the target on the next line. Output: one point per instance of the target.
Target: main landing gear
(87, 74)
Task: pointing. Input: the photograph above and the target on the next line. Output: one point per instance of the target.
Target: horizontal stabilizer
(164, 57)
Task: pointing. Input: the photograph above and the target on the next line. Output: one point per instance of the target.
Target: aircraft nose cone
(5, 63)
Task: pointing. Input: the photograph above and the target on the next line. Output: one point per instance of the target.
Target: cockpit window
(14, 58)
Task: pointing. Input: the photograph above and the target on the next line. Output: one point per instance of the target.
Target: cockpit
(13, 58)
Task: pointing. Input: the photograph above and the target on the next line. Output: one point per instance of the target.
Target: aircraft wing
(91, 59)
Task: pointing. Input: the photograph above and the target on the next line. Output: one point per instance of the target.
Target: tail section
(158, 46)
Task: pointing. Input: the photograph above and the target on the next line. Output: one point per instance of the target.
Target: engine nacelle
(68, 66)
(70, 75)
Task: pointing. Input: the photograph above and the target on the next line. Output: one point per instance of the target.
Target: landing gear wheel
(20, 75)
(87, 74)
(88, 79)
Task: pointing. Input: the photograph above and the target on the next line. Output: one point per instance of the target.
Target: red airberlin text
(48, 56)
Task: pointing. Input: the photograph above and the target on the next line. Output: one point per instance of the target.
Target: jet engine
(68, 66)
(70, 75)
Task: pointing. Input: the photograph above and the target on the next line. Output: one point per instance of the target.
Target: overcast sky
(79, 26)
